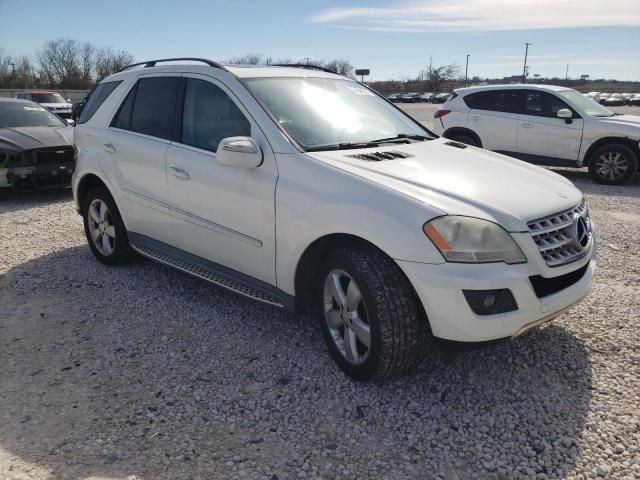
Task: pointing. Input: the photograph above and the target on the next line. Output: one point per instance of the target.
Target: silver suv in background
(544, 124)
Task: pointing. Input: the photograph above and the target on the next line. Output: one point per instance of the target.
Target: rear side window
(97, 98)
(543, 104)
(209, 115)
(150, 107)
(508, 101)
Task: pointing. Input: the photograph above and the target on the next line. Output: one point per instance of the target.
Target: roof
(252, 71)
(37, 91)
(517, 86)
(241, 71)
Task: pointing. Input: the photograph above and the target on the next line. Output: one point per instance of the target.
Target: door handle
(109, 147)
(179, 173)
(475, 118)
(527, 125)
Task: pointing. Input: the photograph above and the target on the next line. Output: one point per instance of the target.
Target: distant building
(513, 79)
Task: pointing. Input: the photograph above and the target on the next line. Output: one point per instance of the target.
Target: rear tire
(379, 307)
(613, 164)
(104, 228)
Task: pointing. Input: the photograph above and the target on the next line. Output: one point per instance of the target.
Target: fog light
(490, 302)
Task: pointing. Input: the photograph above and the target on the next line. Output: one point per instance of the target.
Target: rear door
(494, 117)
(542, 134)
(134, 151)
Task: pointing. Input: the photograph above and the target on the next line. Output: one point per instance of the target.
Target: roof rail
(302, 65)
(152, 63)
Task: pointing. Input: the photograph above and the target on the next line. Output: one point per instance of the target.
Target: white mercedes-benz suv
(544, 124)
(302, 188)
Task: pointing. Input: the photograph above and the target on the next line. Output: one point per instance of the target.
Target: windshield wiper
(401, 137)
(342, 146)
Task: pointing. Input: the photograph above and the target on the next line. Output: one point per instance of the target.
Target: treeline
(62, 63)
(341, 66)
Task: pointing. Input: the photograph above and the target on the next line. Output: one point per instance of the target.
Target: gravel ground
(141, 372)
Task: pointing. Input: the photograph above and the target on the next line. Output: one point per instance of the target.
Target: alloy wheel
(611, 165)
(346, 316)
(101, 228)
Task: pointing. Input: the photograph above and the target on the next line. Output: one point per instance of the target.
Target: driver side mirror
(239, 152)
(566, 114)
(70, 122)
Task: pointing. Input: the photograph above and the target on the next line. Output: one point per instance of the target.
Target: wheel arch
(310, 262)
(88, 182)
(464, 131)
(626, 141)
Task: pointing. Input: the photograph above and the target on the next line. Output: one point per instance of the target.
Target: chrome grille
(556, 237)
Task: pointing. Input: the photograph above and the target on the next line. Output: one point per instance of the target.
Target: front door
(224, 214)
(542, 134)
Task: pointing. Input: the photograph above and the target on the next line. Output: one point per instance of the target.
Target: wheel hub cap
(101, 228)
(611, 165)
(346, 316)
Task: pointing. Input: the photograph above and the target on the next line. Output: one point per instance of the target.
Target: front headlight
(472, 240)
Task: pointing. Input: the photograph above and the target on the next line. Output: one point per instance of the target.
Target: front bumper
(440, 287)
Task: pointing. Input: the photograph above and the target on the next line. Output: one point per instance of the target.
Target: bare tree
(341, 66)
(437, 76)
(108, 61)
(248, 59)
(87, 53)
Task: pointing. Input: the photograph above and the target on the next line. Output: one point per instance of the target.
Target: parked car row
(614, 99)
(429, 97)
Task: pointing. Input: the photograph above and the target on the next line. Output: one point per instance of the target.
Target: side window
(508, 101)
(209, 115)
(123, 117)
(99, 95)
(149, 107)
(543, 104)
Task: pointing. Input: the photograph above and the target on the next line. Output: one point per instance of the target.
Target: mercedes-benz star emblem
(580, 231)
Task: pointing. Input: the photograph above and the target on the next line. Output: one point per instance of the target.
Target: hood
(464, 181)
(625, 120)
(29, 138)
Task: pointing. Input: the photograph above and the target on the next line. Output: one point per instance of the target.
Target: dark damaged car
(36, 147)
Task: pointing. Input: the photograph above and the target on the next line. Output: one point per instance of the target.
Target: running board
(209, 271)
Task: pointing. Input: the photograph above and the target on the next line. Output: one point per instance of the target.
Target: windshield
(585, 104)
(319, 112)
(19, 114)
(48, 98)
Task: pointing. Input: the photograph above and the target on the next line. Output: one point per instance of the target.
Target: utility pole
(524, 70)
(566, 75)
(466, 70)
(13, 74)
(306, 60)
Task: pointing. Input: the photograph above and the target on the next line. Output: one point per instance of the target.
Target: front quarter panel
(314, 199)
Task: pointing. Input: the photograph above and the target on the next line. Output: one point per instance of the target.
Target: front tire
(370, 316)
(613, 164)
(104, 228)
